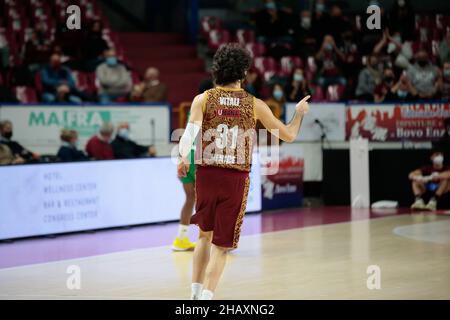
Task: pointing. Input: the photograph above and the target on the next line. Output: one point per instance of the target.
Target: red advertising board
(406, 122)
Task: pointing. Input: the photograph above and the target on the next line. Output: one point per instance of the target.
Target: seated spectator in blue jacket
(58, 83)
(125, 148)
(68, 151)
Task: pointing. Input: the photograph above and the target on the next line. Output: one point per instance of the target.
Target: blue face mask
(298, 77)
(447, 73)
(271, 6)
(124, 133)
(402, 94)
(111, 61)
(278, 94)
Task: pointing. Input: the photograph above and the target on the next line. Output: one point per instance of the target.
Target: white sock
(207, 295)
(196, 291)
(182, 231)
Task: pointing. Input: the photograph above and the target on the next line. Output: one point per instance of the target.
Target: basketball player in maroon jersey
(226, 117)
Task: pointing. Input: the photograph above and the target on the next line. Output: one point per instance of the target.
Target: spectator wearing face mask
(68, 152)
(304, 37)
(99, 146)
(383, 91)
(368, 79)
(37, 48)
(329, 57)
(433, 179)
(403, 90)
(125, 148)
(446, 82)
(113, 79)
(425, 77)
(271, 23)
(298, 87)
(94, 46)
(277, 99)
(400, 52)
(58, 82)
(402, 19)
(337, 24)
(19, 152)
(320, 20)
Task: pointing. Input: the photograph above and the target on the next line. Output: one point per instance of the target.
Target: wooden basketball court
(319, 262)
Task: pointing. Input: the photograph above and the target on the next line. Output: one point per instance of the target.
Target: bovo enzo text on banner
(284, 188)
(399, 122)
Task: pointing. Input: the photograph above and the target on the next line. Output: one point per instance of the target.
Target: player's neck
(234, 85)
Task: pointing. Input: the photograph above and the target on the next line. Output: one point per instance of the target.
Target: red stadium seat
(263, 64)
(245, 36)
(209, 23)
(218, 37)
(135, 77)
(317, 93)
(288, 64)
(81, 80)
(335, 93)
(38, 82)
(256, 49)
(26, 94)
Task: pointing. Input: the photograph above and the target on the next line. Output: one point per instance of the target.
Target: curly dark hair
(230, 63)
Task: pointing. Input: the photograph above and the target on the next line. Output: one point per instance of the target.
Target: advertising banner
(39, 126)
(285, 188)
(56, 198)
(406, 122)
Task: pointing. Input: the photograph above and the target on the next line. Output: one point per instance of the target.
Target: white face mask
(438, 160)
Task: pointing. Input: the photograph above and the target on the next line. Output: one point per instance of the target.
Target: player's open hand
(183, 168)
(303, 106)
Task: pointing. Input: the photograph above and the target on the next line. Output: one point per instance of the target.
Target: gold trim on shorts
(240, 218)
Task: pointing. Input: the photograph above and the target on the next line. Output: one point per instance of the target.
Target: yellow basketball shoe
(183, 244)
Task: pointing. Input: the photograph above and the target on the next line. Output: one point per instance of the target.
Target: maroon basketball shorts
(221, 199)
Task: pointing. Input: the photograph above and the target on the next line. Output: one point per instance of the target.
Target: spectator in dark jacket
(58, 82)
(94, 46)
(6, 94)
(68, 151)
(18, 151)
(37, 48)
(125, 148)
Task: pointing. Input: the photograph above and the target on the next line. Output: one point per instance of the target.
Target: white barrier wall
(57, 198)
(322, 117)
(37, 127)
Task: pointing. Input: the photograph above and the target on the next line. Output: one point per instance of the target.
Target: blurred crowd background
(300, 47)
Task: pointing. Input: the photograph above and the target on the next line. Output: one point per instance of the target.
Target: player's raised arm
(285, 132)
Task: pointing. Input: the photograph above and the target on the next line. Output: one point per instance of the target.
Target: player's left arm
(190, 133)
(282, 131)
